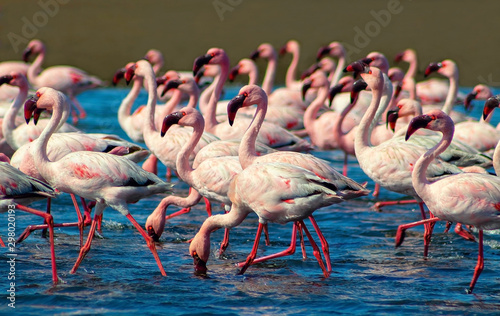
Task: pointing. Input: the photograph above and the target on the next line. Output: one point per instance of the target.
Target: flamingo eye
(184, 113)
(212, 54)
(369, 72)
(400, 106)
(38, 94)
(245, 94)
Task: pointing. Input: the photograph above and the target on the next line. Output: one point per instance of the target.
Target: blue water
(119, 275)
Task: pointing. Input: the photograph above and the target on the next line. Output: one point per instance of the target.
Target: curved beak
(433, 67)
(322, 52)
(398, 90)
(468, 100)
(200, 61)
(169, 120)
(254, 55)
(417, 123)
(358, 86)
(357, 67)
(199, 74)
(129, 74)
(489, 106)
(233, 106)
(29, 108)
(5, 79)
(333, 92)
(119, 75)
(171, 84)
(399, 57)
(26, 54)
(200, 266)
(234, 73)
(160, 80)
(306, 86)
(152, 234)
(366, 60)
(309, 71)
(392, 117)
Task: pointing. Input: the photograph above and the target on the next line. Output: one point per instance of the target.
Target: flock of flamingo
(250, 153)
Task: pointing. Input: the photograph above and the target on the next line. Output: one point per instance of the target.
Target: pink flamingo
(490, 104)
(109, 180)
(479, 92)
(16, 136)
(69, 80)
(335, 50)
(272, 135)
(210, 179)
(155, 58)
(469, 198)
(292, 47)
(18, 190)
(8, 93)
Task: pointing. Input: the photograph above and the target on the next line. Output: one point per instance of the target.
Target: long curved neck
(182, 163)
(9, 122)
(193, 99)
(338, 71)
(210, 118)
(337, 132)
(412, 68)
(451, 97)
(150, 83)
(126, 106)
(206, 95)
(363, 134)
(253, 76)
(169, 107)
(267, 84)
(311, 113)
(246, 151)
(292, 69)
(35, 68)
(419, 177)
(384, 103)
(496, 159)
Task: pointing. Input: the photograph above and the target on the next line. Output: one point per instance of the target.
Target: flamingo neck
(9, 122)
(267, 84)
(184, 168)
(292, 69)
(246, 152)
(169, 107)
(412, 68)
(210, 119)
(339, 119)
(157, 67)
(451, 97)
(386, 98)
(363, 134)
(311, 113)
(35, 68)
(338, 71)
(150, 84)
(253, 76)
(126, 106)
(496, 159)
(419, 177)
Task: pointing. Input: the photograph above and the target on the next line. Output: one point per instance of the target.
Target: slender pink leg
(344, 169)
(480, 263)
(448, 225)
(400, 235)
(324, 243)
(151, 164)
(85, 249)
(316, 251)
(50, 222)
(180, 212)
(266, 235)
(44, 231)
(208, 206)
(150, 243)
(168, 175)
(376, 190)
(287, 252)
(464, 233)
(302, 244)
(80, 218)
(253, 253)
(225, 241)
(381, 204)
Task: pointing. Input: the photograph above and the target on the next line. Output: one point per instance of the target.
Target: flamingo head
(44, 99)
(171, 84)
(185, 117)
(290, 46)
(407, 55)
(345, 84)
(6, 79)
(316, 80)
(247, 96)
(34, 47)
(358, 86)
(490, 105)
(120, 74)
(235, 71)
(481, 92)
(378, 60)
(334, 49)
(435, 120)
(213, 56)
(357, 67)
(199, 249)
(154, 56)
(392, 117)
(155, 224)
(264, 50)
(447, 68)
(309, 71)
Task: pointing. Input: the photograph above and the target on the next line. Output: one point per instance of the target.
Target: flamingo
(491, 104)
(69, 80)
(276, 192)
(109, 180)
(16, 136)
(292, 47)
(210, 179)
(8, 93)
(272, 135)
(479, 92)
(469, 198)
(17, 190)
(335, 50)
(155, 58)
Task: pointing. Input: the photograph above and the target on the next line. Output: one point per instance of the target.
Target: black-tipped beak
(199, 74)
(200, 266)
(309, 71)
(119, 75)
(160, 80)
(398, 90)
(169, 120)
(489, 106)
(333, 92)
(322, 52)
(29, 108)
(399, 57)
(26, 54)
(417, 123)
(468, 100)
(255, 54)
(153, 234)
(366, 60)
(392, 117)
(306, 86)
(5, 79)
(200, 62)
(357, 67)
(358, 86)
(432, 68)
(234, 73)
(171, 84)
(129, 74)
(233, 106)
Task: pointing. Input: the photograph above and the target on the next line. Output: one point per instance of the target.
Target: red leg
(182, 211)
(266, 235)
(151, 164)
(50, 222)
(400, 235)
(150, 243)
(253, 253)
(464, 233)
(44, 231)
(302, 244)
(287, 252)
(381, 204)
(2, 244)
(376, 190)
(225, 241)
(208, 206)
(448, 225)
(316, 252)
(344, 169)
(324, 243)
(80, 218)
(480, 263)
(85, 249)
